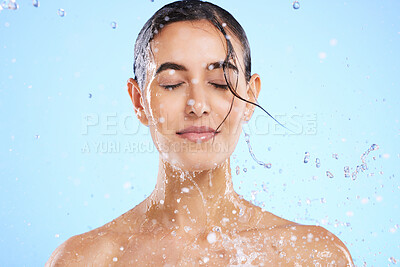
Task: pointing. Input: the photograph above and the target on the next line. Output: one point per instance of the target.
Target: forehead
(195, 41)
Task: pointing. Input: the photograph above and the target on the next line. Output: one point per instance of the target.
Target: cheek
(237, 111)
(167, 116)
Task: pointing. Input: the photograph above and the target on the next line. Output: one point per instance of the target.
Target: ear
(137, 99)
(253, 90)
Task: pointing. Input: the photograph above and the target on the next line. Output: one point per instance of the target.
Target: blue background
(330, 73)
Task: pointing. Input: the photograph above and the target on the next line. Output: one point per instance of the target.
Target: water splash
(296, 5)
(363, 167)
(35, 3)
(247, 138)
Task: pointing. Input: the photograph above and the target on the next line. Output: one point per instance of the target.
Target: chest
(169, 250)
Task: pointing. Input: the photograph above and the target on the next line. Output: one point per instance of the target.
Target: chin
(197, 162)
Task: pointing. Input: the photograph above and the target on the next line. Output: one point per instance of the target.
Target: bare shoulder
(95, 247)
(312, 244)
(100, 246)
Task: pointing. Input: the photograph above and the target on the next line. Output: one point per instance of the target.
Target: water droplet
(317, 163)
(264, 187)
(37, 136)
(333, 42)
(354, 176)
(329, 174)
(296, 5)
(269, 148)
(115, 259)
(323, 200)
(187, 228)
(185, 190)
(211, 238)
(245, 169)
(306, 157)
(11, 4)
(364, 167)
(346, 169)
(121, 248)
(374, 147)
(205, 259)
(392, 260)
(61, 12)
(268, 165)
(113, 24)
(237, 170)
(195, 81)
(358, 169)
(35, 3)
(224, 24)
(90, 95)
(191, 102)
(335, 156)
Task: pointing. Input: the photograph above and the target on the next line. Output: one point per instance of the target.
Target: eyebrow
(175, 66)
(170, 65)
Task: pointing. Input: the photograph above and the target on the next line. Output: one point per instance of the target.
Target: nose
(197, 101)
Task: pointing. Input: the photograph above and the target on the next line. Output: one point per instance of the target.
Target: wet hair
(194, 10)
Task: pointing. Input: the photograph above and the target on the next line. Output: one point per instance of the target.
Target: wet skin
(193, 216)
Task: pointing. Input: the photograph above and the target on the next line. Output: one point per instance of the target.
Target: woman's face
(191, 91)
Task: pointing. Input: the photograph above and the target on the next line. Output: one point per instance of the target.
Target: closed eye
(221, 86)
(172, 86)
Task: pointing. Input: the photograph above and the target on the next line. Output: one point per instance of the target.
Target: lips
(197, 134)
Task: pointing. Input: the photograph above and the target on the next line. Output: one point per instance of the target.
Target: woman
(193, 88)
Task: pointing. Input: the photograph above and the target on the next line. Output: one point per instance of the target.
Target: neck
(195, 199)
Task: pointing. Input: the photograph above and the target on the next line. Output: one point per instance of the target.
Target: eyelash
(173, 86)
(170, 87)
